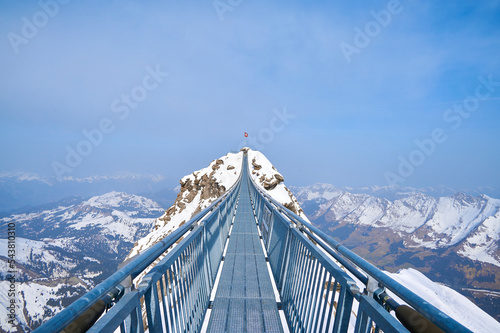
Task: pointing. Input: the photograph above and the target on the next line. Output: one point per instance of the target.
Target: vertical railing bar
(206, 259)
(316, 296)
(126, 326)
(308, 302)
(289, 282)
(301, 285)
(285, 284)
(362, 320)
(195, 290)
(198, 290)
(152, 308)
(178, 288)
(136, 324)
(321, 319)
(162, 291)
(332, 309)
(318, 299)
(270, 233)
(297, 278)
(290, 265)
(170, 290)
(195, 294)
(191, 292)
(315, 287)
(178, 314)
(221, 241)
(344, 307)
(204, 294)
(285, 256)
(304, 286)
(187, 288)
(183, 289)
(324, 298)
(192, 275)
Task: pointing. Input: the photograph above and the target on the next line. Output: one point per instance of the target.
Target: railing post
(152, 305)
(284, 262)
(206, 259)
(344, 306)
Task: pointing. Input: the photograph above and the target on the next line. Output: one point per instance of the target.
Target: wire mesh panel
(276, 247)
(175, 291)
(315, 291)
(214, 247)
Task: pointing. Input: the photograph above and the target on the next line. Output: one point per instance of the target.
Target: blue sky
(351, 120)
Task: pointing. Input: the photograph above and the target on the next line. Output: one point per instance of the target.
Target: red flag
(246, 135)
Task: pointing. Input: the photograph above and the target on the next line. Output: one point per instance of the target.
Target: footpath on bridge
(244, 300)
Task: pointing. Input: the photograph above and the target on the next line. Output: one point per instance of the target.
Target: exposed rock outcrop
(255, 165)
(206, 186)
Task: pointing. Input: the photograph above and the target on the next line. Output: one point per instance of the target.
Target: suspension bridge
(248, 264)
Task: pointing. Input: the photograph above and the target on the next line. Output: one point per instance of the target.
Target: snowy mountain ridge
(452, 239)
(65, 249)
(432, 222)
(19, 190)
(200, 188)
(393, 192)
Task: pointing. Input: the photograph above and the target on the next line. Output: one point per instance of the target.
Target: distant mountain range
(394, 192)
(453, 239)
(21, 190)
(66, 248)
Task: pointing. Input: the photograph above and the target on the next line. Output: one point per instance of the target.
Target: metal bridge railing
(315, 276)
(182, 281)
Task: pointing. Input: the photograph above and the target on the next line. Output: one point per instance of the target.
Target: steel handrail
(435, 315)
(134, 268)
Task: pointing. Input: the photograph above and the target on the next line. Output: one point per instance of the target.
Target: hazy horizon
(351, 94)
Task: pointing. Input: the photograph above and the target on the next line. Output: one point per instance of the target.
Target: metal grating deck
(244, 301)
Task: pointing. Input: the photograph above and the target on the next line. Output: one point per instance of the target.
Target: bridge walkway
(244, 300)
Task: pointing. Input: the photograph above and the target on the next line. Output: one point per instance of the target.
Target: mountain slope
(453, 240)
(66, 248)
(265, 175)
(197, 191)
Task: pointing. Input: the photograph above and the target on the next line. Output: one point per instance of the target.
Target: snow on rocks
(197, 191)
(447, 300)
(265, 175)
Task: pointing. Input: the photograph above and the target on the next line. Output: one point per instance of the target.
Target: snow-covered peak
(197, 191)
(120, 199)
(200, 188)
(265, 175)
(317, 191)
